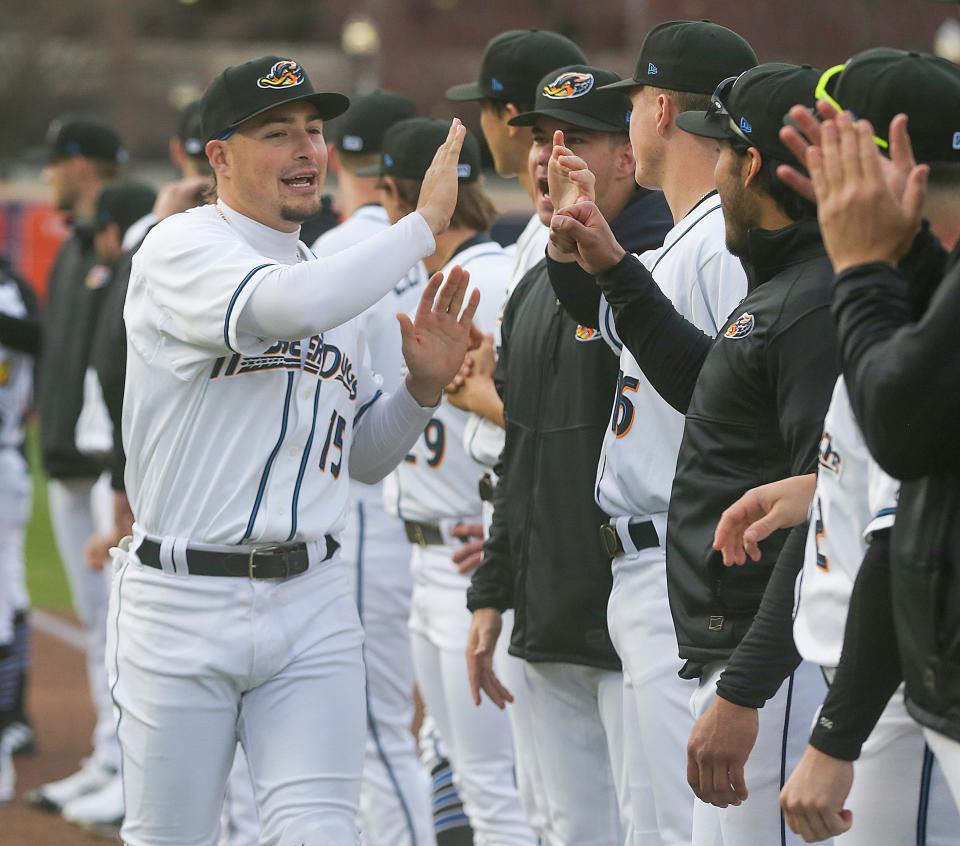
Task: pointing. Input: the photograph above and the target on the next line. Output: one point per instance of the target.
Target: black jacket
(543, 557)
(904, 383)
(74, 294)
(754, 398)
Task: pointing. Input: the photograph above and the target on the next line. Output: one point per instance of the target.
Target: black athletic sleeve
(869, 671)
(669, 349)
(902, 376)
(20, 333)
(491, 585)
(923, 267)
(577, 292)
(767, 655)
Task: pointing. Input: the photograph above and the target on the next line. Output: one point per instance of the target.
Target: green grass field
(45, 576)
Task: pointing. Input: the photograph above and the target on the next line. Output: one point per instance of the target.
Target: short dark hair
(352, 162)
(475, 209)
(687, 101)
(794, 206)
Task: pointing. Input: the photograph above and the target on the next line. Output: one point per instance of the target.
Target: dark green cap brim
(707, 126)
(467, 91)
(328, 105)
(571, 117)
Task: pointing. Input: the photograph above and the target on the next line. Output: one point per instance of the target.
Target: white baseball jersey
(854, 498)
(483, 438)
(16, 372)
(438, 479)
(704, 282)
(230, 438)
(378, 325)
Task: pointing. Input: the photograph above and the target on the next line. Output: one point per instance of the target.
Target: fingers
(444, 301)
(571, 163)
(850, 147)
(805, 123)
(495, 689)
(693, 774)
(916, 191)
(797, 182)
(477, 339)
(738, 783)
(466, 319)
(830, 151)
(826, 110)
(901, 149)
(459, 292)
(473, 670)
(471, 558)
(429, 295)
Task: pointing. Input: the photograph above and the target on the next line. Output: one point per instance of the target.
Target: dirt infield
(63, 716)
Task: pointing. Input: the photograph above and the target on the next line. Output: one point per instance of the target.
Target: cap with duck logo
(579, 95)
(881, 83)
(513, 62)
(245, 91)
(410, 145)
(749, 109)
(362, 128)
(691, 56)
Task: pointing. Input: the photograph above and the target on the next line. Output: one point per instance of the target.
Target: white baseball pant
(395, 794)
(899, 795)
(15, 500)
(239, 823)
(656, 707)
(478, 740)
(197, 662)
(784, 730)
(947, 752)
(78, 509)
(578, 721)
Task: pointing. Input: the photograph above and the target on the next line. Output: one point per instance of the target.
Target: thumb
(568, 225)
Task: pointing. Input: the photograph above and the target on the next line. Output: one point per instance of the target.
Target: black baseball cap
(410, 145)
(692, 56)
(124, 203)
(514, 61)
(575, 94)
(245, 91)
(362, 128)
(749, 109)
(189, 131)
(92, 139)
(881, 83)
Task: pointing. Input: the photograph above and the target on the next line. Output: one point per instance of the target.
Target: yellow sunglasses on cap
(822, 93)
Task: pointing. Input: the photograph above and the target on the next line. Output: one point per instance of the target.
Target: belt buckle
(609, 540)
(419, 537)
(266, 550)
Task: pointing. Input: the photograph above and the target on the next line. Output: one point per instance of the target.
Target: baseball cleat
(101, 811)
(90, 778)
(22, 738)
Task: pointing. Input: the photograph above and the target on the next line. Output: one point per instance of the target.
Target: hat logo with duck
(284, 74)
(569, 85)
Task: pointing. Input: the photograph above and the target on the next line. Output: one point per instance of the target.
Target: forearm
(901, 376)
(298, 301)
(767, 655)
(869, 671)
(669, 349)
(385, 433)
(576, 290)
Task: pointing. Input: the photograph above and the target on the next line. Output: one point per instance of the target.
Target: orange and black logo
(283, 74)
(569, 85)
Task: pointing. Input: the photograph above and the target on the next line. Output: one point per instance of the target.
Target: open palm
(436, 340)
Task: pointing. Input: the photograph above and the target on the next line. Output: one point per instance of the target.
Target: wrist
(433, 219)
(426, 393)
(841, 265)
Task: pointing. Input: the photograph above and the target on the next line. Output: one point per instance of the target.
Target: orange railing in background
(30, 235)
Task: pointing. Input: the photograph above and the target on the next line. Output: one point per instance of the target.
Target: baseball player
(247, 410)
(435, 490)
(16, 382)
(637, 462)
(394, 806)
(84, 156)
(758, 389)
(513, 63)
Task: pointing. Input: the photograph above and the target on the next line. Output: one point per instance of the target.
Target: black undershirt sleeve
(20, 333)
(577, 292)
(669, 349)
(869, 671)
(902, 376)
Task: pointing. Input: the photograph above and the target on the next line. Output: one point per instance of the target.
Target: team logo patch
(97, 277)
(652, 69)
(352, 143)
(569, 85)
(741, 327)
(464, 171)
(745, 125)
(956, 140)
(284, 74)
(828, 457)
(496, 85)
(585, 333)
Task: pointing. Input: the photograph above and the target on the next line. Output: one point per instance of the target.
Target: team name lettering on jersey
(828, 457)
(325, 361)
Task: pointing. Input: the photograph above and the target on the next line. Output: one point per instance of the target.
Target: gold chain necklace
(223, 217)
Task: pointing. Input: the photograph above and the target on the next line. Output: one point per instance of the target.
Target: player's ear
(626, 163)
(511, 110)
(665, 114)
(216, 151)
(752, 162)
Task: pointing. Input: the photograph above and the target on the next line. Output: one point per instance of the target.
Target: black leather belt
(423, 534)
(486, 487)
(643, 535)
(265, 562)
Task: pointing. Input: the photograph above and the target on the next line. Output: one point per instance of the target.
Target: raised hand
(759, 513)
(569, 179)
(436, 340)
(438, 192)
(582, 230)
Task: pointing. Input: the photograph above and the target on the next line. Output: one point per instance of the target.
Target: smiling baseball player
(247, 409)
